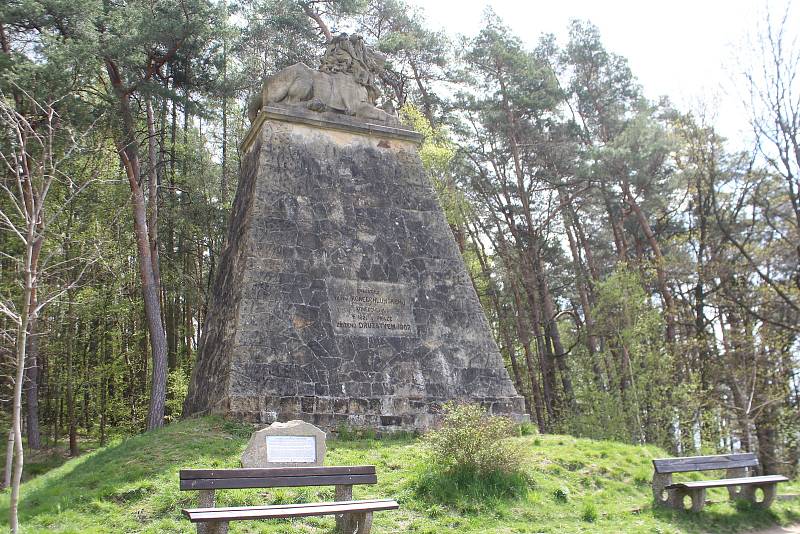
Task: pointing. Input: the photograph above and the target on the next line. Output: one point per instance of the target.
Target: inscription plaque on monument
(291, 449)
(370, 308)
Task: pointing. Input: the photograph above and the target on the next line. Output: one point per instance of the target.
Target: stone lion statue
(344, 83)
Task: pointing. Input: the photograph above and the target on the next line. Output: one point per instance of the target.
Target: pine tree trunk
(510, 349)
(151, 292)
(666, 294)
(559, 354)
(525, 340)
(581, 281)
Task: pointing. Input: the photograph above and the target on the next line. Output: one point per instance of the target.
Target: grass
(570, 485)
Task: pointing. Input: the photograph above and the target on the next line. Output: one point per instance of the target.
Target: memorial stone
(291, 444)
(341, 297)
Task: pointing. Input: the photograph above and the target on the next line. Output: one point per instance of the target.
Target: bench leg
(213, 527)
(344, 522)
(364, 523)
(354, 523)
(661, 496)
(749, 492)
(736, 492)
(698, 497)
(206, 499)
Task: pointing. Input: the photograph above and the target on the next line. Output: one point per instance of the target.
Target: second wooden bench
(737, 468)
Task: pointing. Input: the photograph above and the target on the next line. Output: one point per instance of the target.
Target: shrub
(561, 495)
(468, 491)
(470, 440)
(589, 513)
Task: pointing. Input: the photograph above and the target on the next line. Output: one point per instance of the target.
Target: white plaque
(285, 449)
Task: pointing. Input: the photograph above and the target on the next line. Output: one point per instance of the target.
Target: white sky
(685, 49)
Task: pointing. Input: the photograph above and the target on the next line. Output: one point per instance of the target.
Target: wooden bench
(351, 516)
(737, 468)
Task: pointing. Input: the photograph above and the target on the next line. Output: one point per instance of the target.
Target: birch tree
(31, 160)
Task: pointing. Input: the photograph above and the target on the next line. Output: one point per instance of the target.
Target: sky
(688, 50)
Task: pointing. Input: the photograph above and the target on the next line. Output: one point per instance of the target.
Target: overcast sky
(685, 49)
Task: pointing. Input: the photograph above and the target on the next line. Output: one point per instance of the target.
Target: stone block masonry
(341, 297)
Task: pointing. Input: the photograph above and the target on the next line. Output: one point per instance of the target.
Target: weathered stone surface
(341, 297)
(262, 451)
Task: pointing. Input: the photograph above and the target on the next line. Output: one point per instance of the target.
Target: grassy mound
(571, 485)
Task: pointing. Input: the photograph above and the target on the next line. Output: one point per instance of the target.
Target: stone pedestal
(341, 298)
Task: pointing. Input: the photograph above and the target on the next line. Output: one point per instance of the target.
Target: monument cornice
(326, 121)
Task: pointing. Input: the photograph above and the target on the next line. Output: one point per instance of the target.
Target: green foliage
(627, 318)
(468, 490)
(589, 513)
(437, 149)
(437, 152)
(471, 441)
(177, 389)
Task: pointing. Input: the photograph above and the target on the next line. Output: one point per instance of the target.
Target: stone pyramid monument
(341, 298)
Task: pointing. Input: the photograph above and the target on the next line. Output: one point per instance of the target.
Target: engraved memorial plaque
(371, 308)
(291, 449)
(293, 443)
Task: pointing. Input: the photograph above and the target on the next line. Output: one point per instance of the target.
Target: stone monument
(341, 297)
(291, 444)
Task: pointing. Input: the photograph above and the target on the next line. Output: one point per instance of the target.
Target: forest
(640, 272)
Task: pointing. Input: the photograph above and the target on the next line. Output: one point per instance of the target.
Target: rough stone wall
(345, 298)
(208, 392)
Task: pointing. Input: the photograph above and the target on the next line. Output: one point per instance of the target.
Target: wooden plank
(266, 472)
(271, 512)
(287, 506)
(703, 460)
(275, 482)
(723, 482)
(704, 463)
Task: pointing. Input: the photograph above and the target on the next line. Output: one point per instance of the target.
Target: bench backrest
(705, 463)
(276, 477)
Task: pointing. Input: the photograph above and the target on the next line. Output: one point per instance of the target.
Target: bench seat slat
(704, 463)
(266, 472)
(276, 506)
(723, 482)
(282, 511)
(275, 482)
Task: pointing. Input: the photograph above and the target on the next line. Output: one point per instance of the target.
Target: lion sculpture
(344, 83)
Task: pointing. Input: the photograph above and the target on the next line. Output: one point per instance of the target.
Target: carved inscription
(371, 308)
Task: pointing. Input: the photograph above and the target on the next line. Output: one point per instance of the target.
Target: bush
(468, 491)
(589, 513)
(561, 495)
(469, 440)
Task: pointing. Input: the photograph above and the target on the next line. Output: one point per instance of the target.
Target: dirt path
(791, 529)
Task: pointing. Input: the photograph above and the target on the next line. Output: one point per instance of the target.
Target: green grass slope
(576, 485)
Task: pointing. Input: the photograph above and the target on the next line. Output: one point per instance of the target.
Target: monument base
(381, 413)
(342, 298)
